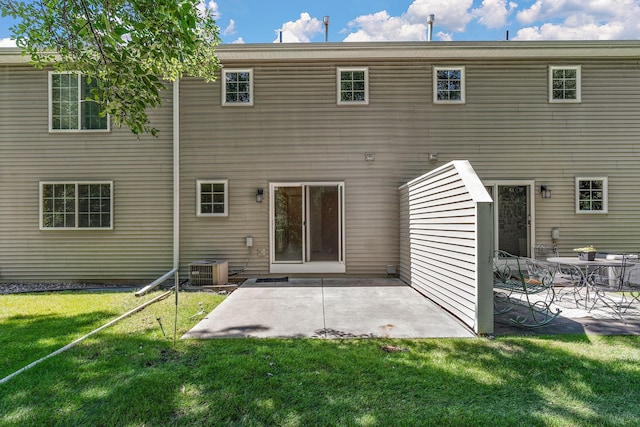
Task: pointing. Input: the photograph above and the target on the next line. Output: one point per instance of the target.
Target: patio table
(591, 278)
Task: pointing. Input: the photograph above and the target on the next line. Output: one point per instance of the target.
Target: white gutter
(176, 199)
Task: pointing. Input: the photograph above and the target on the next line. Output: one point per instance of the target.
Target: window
(448, 85)
(75, 205)
(237, 87)
(591, 195)
(212, 197)
(70, 108)
(564, 84)
(353, 86)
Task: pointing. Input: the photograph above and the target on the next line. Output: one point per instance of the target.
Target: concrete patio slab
(328, 308)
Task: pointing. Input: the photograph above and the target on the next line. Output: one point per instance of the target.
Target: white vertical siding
(448, 255)
(404, 269)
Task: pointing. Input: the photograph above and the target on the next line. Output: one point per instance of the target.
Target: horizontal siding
(296, 132)
(506, 129)
(138, 249)
(443, 266)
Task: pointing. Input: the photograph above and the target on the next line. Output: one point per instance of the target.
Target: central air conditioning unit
(208, 272)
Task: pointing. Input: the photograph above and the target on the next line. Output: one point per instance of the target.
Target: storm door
(513, 216)
(307, 227)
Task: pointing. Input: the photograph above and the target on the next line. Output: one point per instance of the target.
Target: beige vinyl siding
(295, 132)
(516, 134)
(507, 129)
(138, 249)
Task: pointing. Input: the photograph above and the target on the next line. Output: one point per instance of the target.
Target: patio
(368, 308)
(328, 308)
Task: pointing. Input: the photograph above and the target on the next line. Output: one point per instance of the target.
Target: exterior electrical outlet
(249, 241)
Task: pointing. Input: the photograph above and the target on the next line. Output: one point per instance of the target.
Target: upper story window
(75, 205)
(212, 197)
(591, 195)
(448, 85)
(237, 87)
(353, 85)
(70, 105)
(564, 84)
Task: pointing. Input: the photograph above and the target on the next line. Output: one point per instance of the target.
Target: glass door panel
(288, 224)
(323, 229)
(512, 222)
(513, 227)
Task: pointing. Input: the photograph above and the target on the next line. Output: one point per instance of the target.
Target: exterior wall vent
(209, 272)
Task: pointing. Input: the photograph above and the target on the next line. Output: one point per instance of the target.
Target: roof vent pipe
(325, 20)
(430, 21)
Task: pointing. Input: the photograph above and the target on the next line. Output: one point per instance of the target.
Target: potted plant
(587, 253)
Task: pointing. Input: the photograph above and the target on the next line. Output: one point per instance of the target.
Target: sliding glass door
(307, 227)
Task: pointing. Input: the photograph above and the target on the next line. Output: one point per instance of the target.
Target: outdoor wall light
(545, 192)
(433, 157)
(259, 195)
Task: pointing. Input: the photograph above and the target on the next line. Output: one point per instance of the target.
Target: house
(290, 163)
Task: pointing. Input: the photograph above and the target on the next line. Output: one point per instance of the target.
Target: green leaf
(129, 45)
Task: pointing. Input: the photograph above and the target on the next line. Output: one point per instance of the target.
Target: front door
(512, 216)
(306, 228)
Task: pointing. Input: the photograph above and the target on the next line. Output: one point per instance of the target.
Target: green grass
(132, 375)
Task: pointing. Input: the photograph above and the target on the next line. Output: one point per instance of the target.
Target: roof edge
(430, 50)
(406, 50)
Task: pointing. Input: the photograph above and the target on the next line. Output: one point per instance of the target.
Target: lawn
(132, 374)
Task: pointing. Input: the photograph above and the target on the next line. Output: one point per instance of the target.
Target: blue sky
(259, 21)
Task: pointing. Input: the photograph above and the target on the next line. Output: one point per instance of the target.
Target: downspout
(176, 200)
(176, 181)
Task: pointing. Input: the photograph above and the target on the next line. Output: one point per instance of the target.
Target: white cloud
(445, 37)
(301, 30)
(494, 13)
(239, 40)
(452, 15)
(381, 27)
(7, 42)
(231, 28)
(212, 6)
(580, 20)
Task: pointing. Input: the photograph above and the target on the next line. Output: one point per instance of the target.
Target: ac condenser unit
(208, 272)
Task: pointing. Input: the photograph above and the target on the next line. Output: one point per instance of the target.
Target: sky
(301, 21)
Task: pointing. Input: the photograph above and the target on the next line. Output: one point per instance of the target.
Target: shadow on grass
(135, 380)
(39, 335)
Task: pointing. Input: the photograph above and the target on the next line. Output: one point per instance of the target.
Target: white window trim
(76, 183)
(339, 86)
(463, 85)
(199, 183)
(605, 194)
(79, 130)
(223, 91)
(578, 99)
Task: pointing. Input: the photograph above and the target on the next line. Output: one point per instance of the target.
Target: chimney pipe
(326, 28)
(430, 21)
